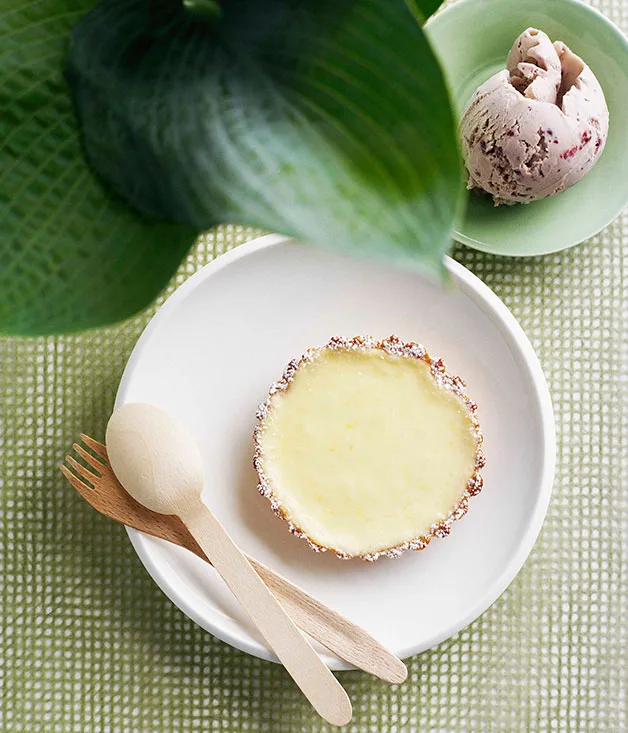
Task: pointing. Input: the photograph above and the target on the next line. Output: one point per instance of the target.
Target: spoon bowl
(154, 457)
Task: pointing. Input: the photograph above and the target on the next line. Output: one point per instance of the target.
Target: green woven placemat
(88, 642)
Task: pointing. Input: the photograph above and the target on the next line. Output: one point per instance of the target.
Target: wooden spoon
(158, 462)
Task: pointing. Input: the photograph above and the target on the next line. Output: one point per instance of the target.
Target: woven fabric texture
(89, 644)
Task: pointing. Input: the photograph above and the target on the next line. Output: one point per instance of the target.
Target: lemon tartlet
(368, 448)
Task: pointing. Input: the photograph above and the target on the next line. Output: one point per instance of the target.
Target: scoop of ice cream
(537, 127)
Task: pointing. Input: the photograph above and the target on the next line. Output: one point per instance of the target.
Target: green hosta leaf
(325, 119)
(72, 256)
(424, 8)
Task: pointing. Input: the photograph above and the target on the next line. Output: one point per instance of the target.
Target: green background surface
(89, 643)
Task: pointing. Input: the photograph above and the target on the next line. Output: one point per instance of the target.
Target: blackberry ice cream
(537, 127)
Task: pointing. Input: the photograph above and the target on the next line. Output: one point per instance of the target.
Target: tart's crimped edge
(395, 346)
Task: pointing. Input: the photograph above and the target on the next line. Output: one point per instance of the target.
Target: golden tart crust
(393, 346)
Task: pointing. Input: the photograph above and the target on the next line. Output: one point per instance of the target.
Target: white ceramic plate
(211, 352)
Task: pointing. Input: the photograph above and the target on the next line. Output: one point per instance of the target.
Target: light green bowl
(472, 39)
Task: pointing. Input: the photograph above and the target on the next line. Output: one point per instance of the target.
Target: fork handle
(337, 633)
(303, 664)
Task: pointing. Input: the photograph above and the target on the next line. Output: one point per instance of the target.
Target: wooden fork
(341, 636)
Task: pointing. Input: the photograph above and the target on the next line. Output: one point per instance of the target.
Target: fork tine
(94, 445)
(89, 458)
(82, 488)
(82, 471)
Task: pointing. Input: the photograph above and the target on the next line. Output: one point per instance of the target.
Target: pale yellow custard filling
(364, 451)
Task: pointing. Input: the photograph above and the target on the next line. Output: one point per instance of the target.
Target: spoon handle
(303, 664)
